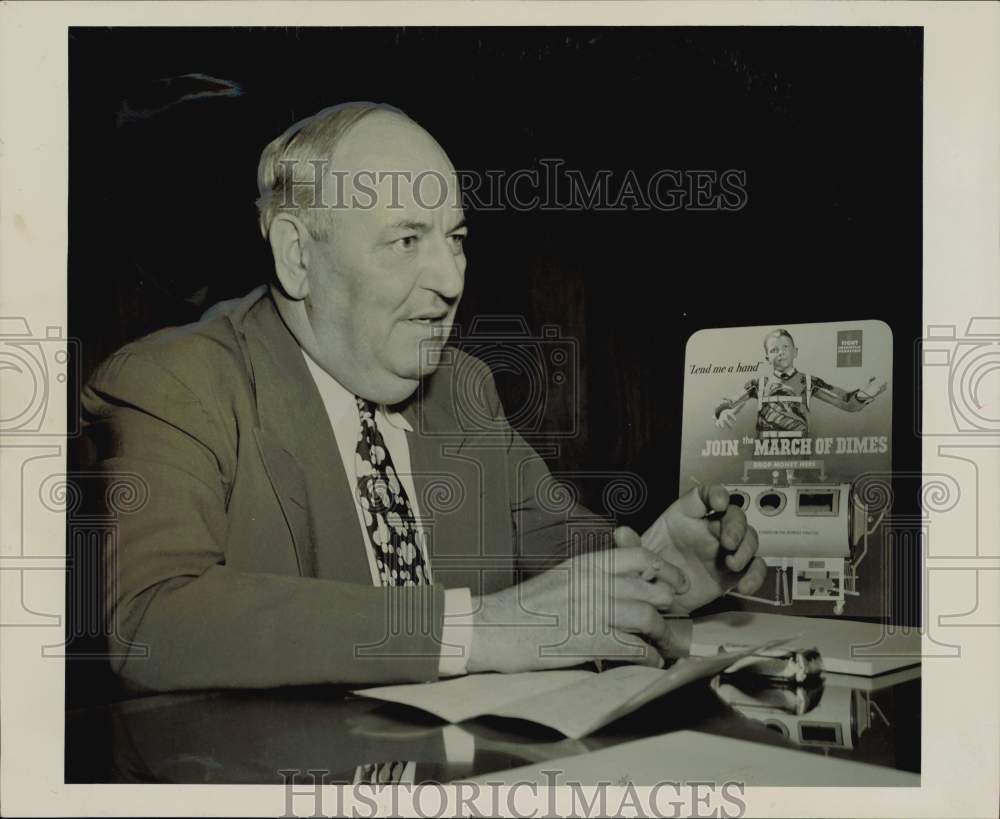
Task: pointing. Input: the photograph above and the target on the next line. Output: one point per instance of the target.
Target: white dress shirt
(342, 410)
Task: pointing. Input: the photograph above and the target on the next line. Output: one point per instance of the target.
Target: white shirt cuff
(456, 634)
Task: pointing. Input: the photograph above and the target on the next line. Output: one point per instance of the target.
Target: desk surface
(249, 737)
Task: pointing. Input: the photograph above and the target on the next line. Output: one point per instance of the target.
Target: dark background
(826, 122)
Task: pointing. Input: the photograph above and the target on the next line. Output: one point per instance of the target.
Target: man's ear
(289, 240)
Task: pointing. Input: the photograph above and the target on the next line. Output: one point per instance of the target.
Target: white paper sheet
(476, 694)
(575, 703)
(691, 756)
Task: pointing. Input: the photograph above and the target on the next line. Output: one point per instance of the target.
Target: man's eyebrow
(409, 224)
(420, 227)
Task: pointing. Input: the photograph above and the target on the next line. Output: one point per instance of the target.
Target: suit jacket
(244, 565)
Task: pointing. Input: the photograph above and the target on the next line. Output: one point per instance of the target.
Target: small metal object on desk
(791, 665)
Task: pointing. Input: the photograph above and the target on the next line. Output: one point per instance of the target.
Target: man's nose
(444, 272)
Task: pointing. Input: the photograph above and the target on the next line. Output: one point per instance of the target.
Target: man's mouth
(430, 319)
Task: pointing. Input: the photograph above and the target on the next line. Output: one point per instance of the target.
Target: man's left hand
(709, 540)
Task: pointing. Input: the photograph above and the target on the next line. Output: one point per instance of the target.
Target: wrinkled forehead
(389, 166)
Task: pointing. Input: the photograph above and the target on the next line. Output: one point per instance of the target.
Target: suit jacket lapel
(300, 452)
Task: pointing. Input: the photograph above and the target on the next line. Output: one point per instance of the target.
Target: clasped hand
(609, 604)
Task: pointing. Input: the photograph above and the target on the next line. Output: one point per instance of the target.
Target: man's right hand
(596, 606)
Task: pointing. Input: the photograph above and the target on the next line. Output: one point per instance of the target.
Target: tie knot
(365, 407)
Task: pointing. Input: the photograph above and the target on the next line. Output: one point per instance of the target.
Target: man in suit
(294, 447)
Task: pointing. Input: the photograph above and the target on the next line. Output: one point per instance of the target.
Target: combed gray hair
(288, 165)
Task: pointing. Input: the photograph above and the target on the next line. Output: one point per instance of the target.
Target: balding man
(292, 440)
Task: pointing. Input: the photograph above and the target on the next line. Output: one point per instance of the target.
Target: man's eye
(406, 242)
(458, 241)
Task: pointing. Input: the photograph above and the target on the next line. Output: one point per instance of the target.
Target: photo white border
(961, 731)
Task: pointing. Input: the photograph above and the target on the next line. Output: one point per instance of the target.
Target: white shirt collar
(340, 401)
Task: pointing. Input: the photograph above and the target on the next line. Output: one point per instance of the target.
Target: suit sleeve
(179, 617)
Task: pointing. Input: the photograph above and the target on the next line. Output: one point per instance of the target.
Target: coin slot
(820, 733)
(818, 503)
(777, 727)
(771, 503)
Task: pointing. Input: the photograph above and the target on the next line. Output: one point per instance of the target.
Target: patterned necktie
(388, 517)
(380, 773)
